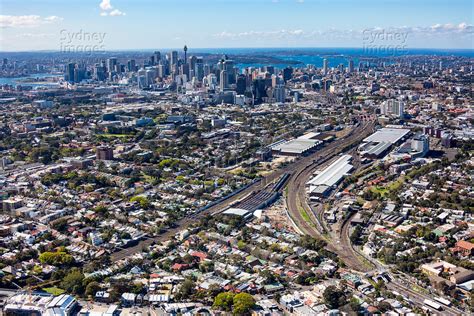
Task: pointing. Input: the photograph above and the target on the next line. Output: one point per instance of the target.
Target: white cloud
(116, 12)
(53, 18)
(35, 35)
(455, 30)
(105, 5)
(279, 34)
(26, 20)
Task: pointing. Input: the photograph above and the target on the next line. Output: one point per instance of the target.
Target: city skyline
(236, 157)
(46, 25)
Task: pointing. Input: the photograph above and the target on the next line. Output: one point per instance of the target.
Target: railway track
(310, 222)
(297, 167)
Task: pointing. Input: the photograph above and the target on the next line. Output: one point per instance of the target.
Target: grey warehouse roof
(388, 135)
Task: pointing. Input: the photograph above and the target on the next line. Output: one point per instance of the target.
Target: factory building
(382, 141)
(300, 146)
(326, 180)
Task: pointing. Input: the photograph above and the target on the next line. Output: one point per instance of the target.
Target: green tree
(92, 288)
(56, 258)
(73, 282)
(333, 297)
(143, 201)
(241, 244)
(186, 289)
(243, 302)
(224, 301)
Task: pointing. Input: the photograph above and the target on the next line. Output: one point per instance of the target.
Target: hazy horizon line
(223, 48)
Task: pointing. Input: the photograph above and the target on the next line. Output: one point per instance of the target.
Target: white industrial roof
(309, 135)
(297, 146)
(333, 173)
(236, 211)
(388, 135)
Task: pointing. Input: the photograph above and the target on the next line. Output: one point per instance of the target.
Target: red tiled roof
(465, 245)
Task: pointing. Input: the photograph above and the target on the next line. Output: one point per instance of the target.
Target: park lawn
(389, 188)
(236, 170)
(53, 290)
(380, 190)
(395, 185)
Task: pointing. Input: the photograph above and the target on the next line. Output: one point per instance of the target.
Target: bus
(432, 304)
(442, 301)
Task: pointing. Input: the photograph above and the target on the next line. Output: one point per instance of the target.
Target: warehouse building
(381, 142)
(393, 136)
(374, 151)
(40, 304)
(300, 146)
(325, 181)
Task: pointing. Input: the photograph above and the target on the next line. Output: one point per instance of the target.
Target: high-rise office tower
(131, 65)
(276, 81)
(150, 75)
(228, 66)
(99, 72)
(118, 68)
(111, 62)
(241, 84)
(161, 71)
(287, 73)
(223, 80)
(192, 62)
(174, 58)
(157, 57)
(279, 93)
(69, 76)
(350, 68)
(79, 73)
(184, 70)
(199, 68)
(325, 66)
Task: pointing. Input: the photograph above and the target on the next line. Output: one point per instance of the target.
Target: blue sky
(150, 24)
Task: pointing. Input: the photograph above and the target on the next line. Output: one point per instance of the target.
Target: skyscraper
(131, 65)
(184, 70)
(192, 62)
(325, 66)
(223, 80)
(199, 68)
(111, 62)
(69, 76)
(350, 68)
(287, 73)
(279, 93)
(174, 58)
(99, 72)
(185, 53)
(393, 108)
(241, 84)
(157, 57)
